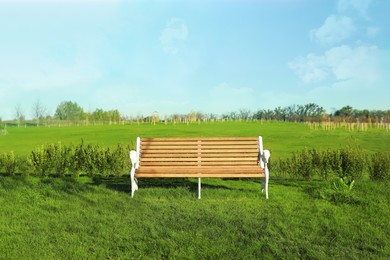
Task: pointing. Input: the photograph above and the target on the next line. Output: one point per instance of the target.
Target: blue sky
(182, 56)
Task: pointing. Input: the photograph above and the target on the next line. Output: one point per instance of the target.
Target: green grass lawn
(96, 218)
(66, 218)
(280, 137)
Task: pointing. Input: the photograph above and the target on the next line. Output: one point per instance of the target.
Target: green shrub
(103, 161)
(2, 163)
(119, 160)
(39, 161)
(78, 157)
(8, 163)
(61, 158)
(339, 190)
(325, 164)
(90, 158)
(302, 164)
(380, 166)
(347, 162)
(24, 165)
(353, 162)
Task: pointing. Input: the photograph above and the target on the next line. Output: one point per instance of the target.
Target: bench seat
(234, 157)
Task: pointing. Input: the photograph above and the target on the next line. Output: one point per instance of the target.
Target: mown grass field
(77, 218)
(281, 138)
(96, 218)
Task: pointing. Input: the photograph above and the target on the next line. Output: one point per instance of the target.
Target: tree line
(68, 111)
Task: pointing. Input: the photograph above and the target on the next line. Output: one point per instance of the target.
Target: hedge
(92, 159)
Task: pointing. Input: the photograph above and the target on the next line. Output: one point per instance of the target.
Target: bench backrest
(199, 152)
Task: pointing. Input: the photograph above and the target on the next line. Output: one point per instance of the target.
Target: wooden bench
(239, 157)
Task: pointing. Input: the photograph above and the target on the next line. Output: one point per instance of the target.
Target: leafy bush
(102, 161)
(40, 161)
(2, 163)
(380, 166)
(82, 159)
(90, 159)
(353, 162)
(302, 164)
(8, 163)
(120, 160)
(347, 162)
(78, 157)
(339, 191)
(61, 158)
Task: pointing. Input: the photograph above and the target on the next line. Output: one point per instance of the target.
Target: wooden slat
(200, 138)
(203, 169)
(174, 164)
(202, 159)
(204, 151)
(204, 155)
(201, 172)
(186, 147)
(203, 143)
(194, 175)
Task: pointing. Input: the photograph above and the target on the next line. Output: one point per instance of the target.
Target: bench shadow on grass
(122, 183)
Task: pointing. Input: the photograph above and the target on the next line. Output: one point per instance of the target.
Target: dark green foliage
(8, 163)
(61, 158)
(69, 110)
(353, 162)
(339, 191)
(88, 159)
(119, 160)
(346, 162)
(380, 166)
(39, 160)
(78, 158)
(302, 164)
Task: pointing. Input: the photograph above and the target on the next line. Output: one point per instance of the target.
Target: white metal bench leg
(134, 185)
(266, 171)
(265, 157)
(199, 188)
(134, 160)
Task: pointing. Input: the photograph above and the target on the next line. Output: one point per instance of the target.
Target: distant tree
(98, 114)
(38, 111)
(344, 111)
(280, 113)
(244, 114)
(69, 110)
(115, 116)
(19, 115)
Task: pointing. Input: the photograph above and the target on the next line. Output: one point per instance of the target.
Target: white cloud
(311, 68)
(334, 30)
(338, 63)
(360, 6)
(353, 63)
(173, 34)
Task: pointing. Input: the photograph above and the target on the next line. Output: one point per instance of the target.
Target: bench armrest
(134, 159)
(265, 156)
